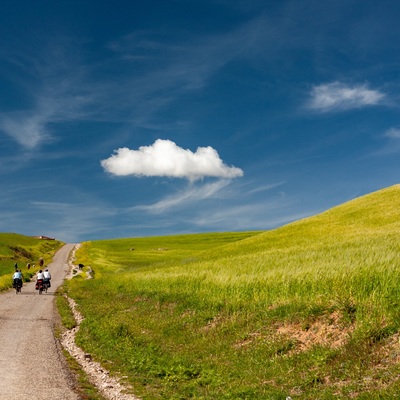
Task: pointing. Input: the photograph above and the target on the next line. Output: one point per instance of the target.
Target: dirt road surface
(31, 362)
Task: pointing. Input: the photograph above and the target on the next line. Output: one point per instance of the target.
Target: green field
(310, 310)
(21, 249)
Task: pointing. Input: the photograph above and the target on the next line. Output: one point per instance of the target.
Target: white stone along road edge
(110, 387)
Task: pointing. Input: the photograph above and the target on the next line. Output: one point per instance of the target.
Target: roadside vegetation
(23, 250)
(309, 310)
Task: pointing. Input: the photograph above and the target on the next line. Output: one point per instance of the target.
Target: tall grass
(213, 315)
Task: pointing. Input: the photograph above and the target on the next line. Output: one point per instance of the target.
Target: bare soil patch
(328, 330)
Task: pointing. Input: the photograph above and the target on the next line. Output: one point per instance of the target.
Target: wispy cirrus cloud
(390, 143)
(337, 96)
(70, 220)
(266, 187)
(144, 72)
(28, 128)
(187, 197)
(168, 59)
(253, 215)
(393, 133)
(52, 89)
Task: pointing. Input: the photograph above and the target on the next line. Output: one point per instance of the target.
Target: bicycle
(46, 285)
(18, 285)
(39, 286)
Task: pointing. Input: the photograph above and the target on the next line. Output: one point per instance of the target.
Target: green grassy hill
(309, 310)
(21, 249)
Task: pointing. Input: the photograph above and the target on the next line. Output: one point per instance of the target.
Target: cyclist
(17, 278)
(47, 277)
(39, 279)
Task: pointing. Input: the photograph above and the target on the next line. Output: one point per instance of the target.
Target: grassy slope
(21, 249)
(309, 309)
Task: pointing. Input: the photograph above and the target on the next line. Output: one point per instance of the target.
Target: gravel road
(31, 362)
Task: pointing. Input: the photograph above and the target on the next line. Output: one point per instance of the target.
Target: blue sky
(127, 118)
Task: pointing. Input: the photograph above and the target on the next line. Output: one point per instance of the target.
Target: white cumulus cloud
(337, 96)
(165, 158)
